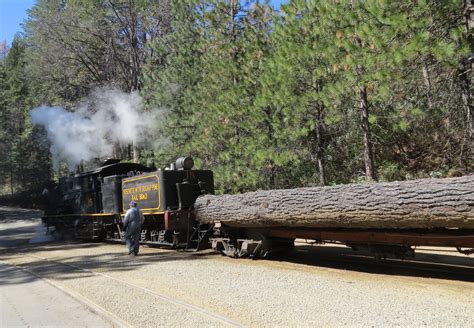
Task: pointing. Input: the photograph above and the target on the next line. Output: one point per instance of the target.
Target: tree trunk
(423, 204)
(466, 73)
(11, 174)
(364, 115)
(427, 81)
(117, 151)
(368, 151)
(467, 100)
(319, 113)
(270, 134)
(320, 148)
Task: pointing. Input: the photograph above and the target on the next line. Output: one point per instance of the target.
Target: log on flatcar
(385, 217)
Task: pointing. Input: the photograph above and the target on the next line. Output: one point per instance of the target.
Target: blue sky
(13, 13)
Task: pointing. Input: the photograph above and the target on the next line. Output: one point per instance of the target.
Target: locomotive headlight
(184, 163)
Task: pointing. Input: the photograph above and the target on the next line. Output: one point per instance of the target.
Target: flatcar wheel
(258, 245)
(252, 244)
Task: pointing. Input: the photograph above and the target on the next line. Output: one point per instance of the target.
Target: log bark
(416, 204)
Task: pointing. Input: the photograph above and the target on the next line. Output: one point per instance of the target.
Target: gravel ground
(167, 288)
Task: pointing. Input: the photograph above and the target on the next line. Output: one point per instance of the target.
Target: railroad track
(430, 263)
(439, 264)
(108, 314)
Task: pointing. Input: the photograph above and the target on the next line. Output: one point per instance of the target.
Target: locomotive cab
(166, 199)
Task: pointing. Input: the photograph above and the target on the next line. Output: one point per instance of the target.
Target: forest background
(316, 93)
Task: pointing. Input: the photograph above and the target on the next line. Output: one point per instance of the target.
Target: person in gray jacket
(132, 224)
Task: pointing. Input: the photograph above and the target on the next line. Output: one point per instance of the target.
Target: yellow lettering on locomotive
(141, 189)
(145, 189)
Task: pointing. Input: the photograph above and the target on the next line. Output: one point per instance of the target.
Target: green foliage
(24, 164)
(170, 80)
(265, 99)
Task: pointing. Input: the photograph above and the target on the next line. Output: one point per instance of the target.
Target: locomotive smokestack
(184, 163)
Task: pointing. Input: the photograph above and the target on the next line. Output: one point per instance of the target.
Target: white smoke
(106, 118)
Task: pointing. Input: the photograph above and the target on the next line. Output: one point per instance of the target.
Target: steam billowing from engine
(106, 118)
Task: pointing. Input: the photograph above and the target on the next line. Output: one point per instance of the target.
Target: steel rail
(86, 302)
(162, 297)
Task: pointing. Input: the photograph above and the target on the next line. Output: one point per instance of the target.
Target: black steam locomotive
(91, 205)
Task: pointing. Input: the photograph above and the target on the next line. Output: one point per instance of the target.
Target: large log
(425, 203)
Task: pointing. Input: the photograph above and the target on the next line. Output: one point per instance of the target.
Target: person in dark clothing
(132, 224)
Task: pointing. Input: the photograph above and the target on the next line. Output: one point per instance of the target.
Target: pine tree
(25, 162)
(171, 78)
(229, 126)
(82, 45)
(208, 84)
(295, 78)
(466, 67)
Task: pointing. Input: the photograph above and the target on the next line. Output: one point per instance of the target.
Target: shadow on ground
(69, 267)
(427, 263)
(18, 227)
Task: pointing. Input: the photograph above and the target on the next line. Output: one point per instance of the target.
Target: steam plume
(106, 118)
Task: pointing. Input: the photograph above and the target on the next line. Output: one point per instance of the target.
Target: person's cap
(133, 203)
